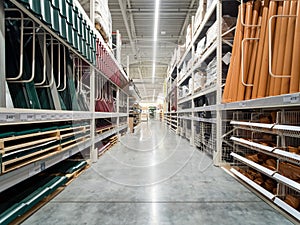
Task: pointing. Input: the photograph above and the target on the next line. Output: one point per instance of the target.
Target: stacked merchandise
(103, 18)
(199, 14)
(200, 80)
(269, 64)
(188, 37)
(201, 46)
(180, 51)
(211, 73)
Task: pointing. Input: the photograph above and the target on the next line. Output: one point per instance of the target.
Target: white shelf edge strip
(253, 164)
(287, 154)
(253, 184)
(287, 181)
(287, 208)
(260, 125)
(252, 144)
(287, 128)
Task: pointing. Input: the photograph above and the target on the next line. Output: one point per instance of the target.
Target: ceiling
(135, 21)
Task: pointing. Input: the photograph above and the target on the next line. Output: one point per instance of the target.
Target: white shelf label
(292, 99)
(10, 117)
(27, 117)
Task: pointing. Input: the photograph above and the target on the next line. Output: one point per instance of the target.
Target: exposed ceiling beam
(124, 15)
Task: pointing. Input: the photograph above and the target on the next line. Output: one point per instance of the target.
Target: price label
(43, 166)
(10, 117)
(3, 117)
(292, 99)
(38, 117)
(27, 117)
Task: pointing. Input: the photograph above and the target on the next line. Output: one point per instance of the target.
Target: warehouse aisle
(155, 177)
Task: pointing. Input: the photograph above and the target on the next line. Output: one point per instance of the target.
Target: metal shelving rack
(218, 118)
(18, 116)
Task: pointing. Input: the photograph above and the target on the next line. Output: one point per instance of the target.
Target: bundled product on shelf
(264, 58)
(200, 13)
(199, 80)
(211, 73)
(180, 51)
(102, 17)
(209, 3)
(201, 46)
(189, 35)
(191, 85)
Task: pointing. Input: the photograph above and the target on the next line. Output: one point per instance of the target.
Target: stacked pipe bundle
(265, 55)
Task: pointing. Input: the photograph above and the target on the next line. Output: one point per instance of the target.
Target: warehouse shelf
(17, 116)
(38, 150)
(254, 165)
(185, 99)
(99, 115)
(252, 125)
(253, 145)
(186, 56)
(207, 18)
(187, 75)
(205, 120)
(295, 213)
(10, 179)
(254, 185)
(288, 100)
(205, 108)
(206, 53)
(267, 194)
(206, 91)
(270, 173)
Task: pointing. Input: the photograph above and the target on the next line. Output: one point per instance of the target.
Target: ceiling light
(156, 18)
(163, 32)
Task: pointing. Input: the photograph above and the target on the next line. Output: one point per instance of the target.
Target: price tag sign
(10, 117)
(38, 117)
(27, 117)
(292, 99)
(43, 166)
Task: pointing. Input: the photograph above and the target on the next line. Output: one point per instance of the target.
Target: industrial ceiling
(135, 21)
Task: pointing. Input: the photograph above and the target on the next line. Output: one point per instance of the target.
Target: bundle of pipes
(265, 55)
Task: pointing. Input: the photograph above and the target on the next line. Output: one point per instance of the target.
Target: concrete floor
(155, 177)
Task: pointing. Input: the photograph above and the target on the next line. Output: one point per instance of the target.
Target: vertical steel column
(192, 141)
(128, 130)
(217, 156)
(93, 152)
(118, 109)
(2, 57)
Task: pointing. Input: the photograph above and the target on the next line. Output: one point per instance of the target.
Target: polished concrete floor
(155, 177)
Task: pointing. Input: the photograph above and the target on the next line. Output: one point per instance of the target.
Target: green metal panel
(70, 13)
(75, 39)
(35, 7)
(75, 18)
(63, 27)
(46, 11)
(63, 8)
(55, 17)
(69, 33)
(55, 3)
(84, 30)
(80, 25)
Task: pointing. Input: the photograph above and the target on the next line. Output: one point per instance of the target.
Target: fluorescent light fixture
(156, 18)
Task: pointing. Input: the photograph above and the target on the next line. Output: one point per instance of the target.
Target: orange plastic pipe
(264, 71)
(255, 33)
(261, 43)
(247, 34)
(275, 48)
(287, 64)
(281, 46)
(295, 73)
(230, 89)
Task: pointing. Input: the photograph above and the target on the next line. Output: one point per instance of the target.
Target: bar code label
(27, 117)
